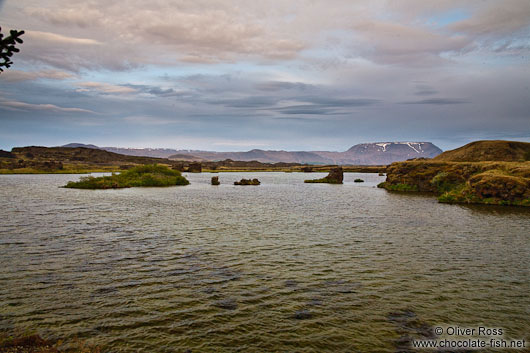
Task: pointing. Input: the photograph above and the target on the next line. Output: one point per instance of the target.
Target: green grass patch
(398, 187)
(322, 180)
(145, 175)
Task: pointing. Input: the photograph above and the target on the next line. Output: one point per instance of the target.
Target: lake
(284, 266)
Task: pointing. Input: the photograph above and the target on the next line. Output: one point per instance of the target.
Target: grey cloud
(159, 91)
(439, 101)
(424, 90)
(247, 102)
(306, 109)
(339, 102)
(282, 85)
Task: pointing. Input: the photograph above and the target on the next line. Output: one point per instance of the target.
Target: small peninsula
(484, 172)
(335, 176)
(145, 175)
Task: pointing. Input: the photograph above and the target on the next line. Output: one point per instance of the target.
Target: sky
(234, 75)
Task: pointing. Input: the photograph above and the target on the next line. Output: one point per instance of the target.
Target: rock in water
(247, 182)
(215, 180)
(335, 176)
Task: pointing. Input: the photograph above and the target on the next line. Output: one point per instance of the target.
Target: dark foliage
(8, 47)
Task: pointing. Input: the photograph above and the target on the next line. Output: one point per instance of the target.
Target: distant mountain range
(379, 153)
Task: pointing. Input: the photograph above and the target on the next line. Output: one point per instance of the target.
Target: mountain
(255, 155)
(141, 152)
(75, 145)
(147, 152)
(488, 150)
(380, 153)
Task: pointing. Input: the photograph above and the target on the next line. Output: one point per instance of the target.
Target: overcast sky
(232, 75)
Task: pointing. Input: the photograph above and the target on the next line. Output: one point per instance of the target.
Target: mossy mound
(145, 175)
(358, 181)
(491, 187)
(500, 183)
(247, 182)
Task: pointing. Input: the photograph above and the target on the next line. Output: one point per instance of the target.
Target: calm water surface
(284, 267)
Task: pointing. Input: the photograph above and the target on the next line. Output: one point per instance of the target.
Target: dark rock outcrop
(335, 176)
(195, 168)
(6, 154)
(247, 182)
(215, 180)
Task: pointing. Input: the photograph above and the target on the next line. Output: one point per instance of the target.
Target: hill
(488, 150)
(36, 159)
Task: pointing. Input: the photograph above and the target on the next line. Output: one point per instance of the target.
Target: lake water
(280, 267)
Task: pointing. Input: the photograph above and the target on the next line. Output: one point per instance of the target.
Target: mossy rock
(335, 176)
(247, 182)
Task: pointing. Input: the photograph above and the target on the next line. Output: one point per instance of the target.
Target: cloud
(306, 109)
(53, 38)
(148, 120)
(82, 16)
(339, 102)
(499, 18)
(247, 102)
(17, 75)
(159, 91)
(282, 85)
(22, 106)
(105, 88)
(395, 43)
(439, 101)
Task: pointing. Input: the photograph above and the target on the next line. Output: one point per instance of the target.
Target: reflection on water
(284, 266)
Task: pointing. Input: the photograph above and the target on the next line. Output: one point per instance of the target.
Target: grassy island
(247, 182)
(145, 175)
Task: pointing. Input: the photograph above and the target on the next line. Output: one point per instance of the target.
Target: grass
(322, 180)
(398, 187)
(145, 175)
